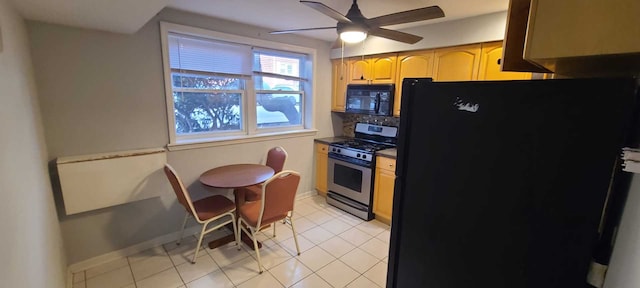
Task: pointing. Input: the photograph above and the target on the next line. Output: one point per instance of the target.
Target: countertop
(330, 140)
(389, 153)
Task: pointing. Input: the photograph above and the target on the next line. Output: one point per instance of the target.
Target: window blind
(187, 53)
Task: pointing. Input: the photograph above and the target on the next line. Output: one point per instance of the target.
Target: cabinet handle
(499, 60)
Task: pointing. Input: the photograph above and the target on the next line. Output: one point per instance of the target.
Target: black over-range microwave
(375, 99)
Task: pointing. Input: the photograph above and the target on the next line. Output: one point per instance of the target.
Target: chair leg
(255, 247)
(295, 237)
(274, 228)
(236, 230)
(195, 254)
(184, 223)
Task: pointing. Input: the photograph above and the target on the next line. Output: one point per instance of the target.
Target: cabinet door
(514, 37)
(418, 64)
(383, 69)
(383, 189)
(458, 63)
(322, 151)
(490, 66)
(574, 35)
(339, 85)
(359, 71)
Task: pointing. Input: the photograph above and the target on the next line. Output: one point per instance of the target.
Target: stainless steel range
(351, 165)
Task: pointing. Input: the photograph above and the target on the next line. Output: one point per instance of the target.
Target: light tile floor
(337, 250)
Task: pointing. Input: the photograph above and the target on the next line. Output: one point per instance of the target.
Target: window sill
(231, 140)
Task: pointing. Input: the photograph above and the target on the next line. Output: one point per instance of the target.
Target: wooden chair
(275, 204)
(276, 157)
(204, 211)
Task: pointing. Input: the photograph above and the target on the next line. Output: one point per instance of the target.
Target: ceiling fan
(354, 27)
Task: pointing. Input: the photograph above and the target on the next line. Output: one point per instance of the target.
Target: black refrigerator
(504, 183)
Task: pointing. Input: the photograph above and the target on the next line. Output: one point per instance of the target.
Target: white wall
(31, 243)
(625, 261)
(104, 92)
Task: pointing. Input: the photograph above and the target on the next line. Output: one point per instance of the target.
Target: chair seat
(250, 212)
(213, 206)
(252, 193)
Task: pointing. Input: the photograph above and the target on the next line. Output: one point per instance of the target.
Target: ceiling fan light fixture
(353, 36)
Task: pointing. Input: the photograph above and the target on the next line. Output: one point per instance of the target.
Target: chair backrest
(278, 195)
(276, 158)
(178, 188)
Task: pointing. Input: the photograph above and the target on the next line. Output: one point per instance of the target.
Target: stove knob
(333, 149)
(358, 155)
(339, 151)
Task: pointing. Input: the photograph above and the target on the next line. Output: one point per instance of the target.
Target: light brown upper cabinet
(359, 71)
(380, 69)
(414, 64)
(490, 60)
(339, 71)
(459, 63)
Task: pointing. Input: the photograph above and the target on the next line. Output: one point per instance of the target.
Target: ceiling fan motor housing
(358, 21)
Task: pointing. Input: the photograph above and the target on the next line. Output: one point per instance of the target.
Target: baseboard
(131, 250)
(306, 194)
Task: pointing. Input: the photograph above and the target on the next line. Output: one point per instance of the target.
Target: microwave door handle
(377, 104)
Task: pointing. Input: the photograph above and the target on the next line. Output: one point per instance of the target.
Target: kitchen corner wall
(31, 244)
(104, 92)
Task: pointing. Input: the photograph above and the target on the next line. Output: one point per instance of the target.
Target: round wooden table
(236, 175)
(231, 177)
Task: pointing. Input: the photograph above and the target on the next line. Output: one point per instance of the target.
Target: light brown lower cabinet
(322, 157)
(383, 188)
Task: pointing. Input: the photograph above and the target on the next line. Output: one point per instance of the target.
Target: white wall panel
(98, 181)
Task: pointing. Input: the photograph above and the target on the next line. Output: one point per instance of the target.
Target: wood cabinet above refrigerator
(582, 37)
(514, 37)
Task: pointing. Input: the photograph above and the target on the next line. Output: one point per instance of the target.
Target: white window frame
(250, 132)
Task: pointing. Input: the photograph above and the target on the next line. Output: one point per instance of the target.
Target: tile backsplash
(349, 121)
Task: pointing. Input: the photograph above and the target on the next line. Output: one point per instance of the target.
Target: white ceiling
(127, 16)
(122, 16)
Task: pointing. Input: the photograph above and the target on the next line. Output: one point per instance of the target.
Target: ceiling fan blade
(300, 30)
(326, 10)
(395, 35)
(409, 16)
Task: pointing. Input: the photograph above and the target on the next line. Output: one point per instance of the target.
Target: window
(225, 87)
(279, 92)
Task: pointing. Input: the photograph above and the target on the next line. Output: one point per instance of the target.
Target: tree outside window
(206, 104)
